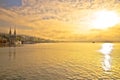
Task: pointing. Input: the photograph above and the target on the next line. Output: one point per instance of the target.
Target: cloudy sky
(59, 19)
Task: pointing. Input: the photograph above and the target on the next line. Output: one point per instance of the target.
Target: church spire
(15, 31)
(10, 32)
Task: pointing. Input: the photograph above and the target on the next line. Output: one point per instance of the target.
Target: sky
(60, 19)
(10, 3)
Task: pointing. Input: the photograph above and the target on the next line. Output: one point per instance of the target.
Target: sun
(104, 19)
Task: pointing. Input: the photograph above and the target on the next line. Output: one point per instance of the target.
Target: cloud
(58, 19)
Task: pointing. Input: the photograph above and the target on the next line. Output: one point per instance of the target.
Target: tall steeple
(10, 37)
(14, 31)
(14, 34)
(10, 32)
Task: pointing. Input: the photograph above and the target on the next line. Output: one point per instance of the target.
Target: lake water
(58, 61)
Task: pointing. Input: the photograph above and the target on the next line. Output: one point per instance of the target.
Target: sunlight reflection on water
(106, 51)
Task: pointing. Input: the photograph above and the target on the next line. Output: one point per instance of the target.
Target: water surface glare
(57, 61)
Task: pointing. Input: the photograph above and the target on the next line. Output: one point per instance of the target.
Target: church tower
(10, 32)
(14, 34)
(10, 37)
